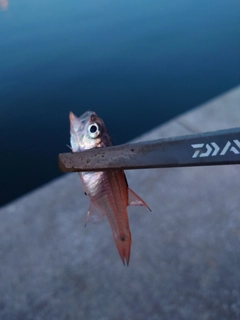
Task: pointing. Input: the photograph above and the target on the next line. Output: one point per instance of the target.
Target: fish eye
(94, 130)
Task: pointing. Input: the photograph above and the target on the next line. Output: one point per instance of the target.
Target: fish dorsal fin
(94, 214)
(135, 200)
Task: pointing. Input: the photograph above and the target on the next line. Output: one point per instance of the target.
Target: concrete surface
(185, 255)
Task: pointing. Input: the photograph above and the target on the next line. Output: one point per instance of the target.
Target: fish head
(88, 131)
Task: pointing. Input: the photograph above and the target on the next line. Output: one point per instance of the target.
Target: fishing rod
(220, 147)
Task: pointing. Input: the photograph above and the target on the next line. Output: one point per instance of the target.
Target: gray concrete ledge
(185, 255)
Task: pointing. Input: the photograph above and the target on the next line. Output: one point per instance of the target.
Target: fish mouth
(123, 243)
(78, 123)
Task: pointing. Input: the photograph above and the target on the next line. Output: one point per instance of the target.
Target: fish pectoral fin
(135, 200)
(94, 214)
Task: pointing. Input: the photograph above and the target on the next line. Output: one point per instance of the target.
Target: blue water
(136, 63)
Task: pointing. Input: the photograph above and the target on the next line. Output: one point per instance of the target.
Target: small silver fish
(108, 190)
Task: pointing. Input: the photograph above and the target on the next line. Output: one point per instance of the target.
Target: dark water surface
(136, 63)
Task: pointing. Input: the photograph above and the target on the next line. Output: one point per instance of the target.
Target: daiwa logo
(212, 149)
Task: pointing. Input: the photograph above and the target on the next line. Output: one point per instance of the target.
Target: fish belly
(108, 191)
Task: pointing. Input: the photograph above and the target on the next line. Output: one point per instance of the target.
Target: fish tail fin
(123, 243)
(135, 200)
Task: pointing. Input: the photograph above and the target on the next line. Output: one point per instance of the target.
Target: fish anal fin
(94, 214)
(135, 200)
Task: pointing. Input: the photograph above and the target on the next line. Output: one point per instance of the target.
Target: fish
(108, 190)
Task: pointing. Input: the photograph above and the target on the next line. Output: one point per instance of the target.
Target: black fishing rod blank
(202, 149)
